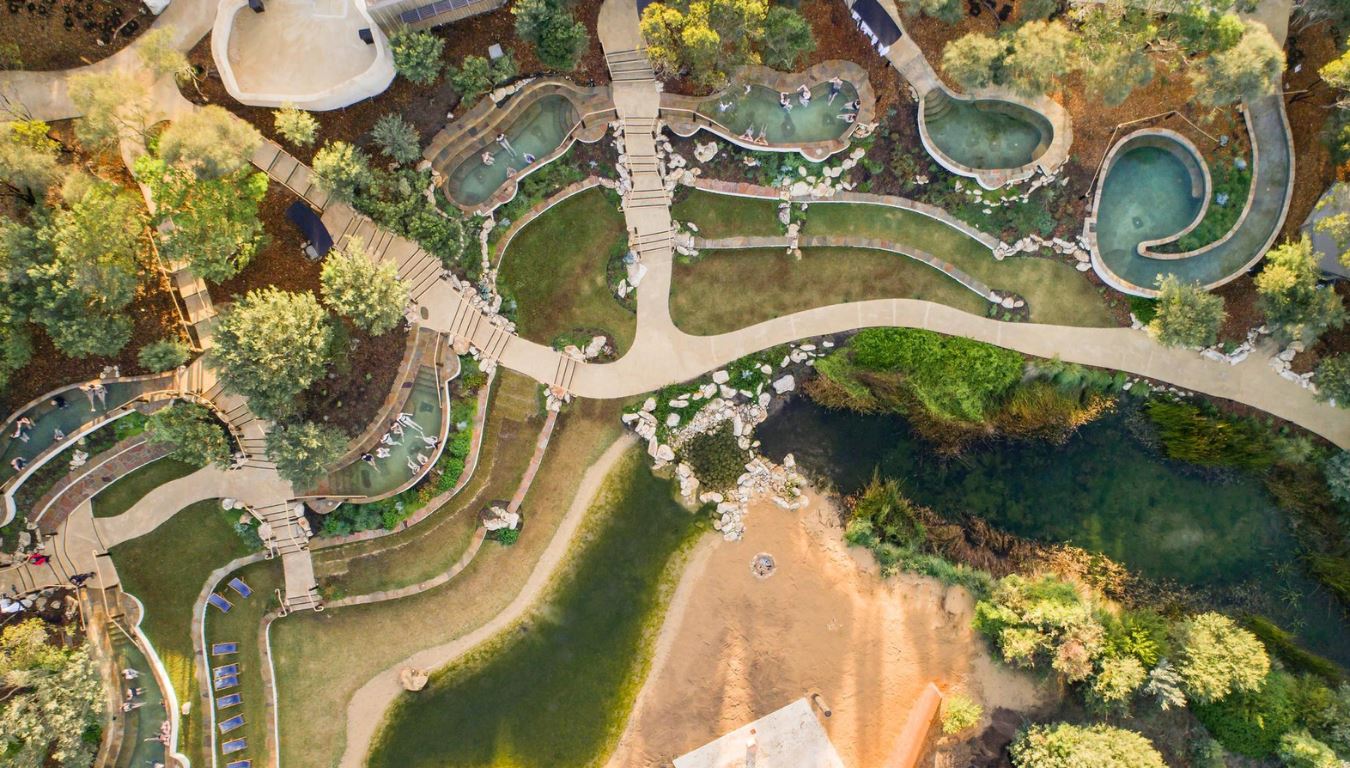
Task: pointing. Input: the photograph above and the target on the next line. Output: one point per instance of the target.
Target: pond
(985, 134)
(757, 109)
(541, 128)
(1103, 490)
(556, 690)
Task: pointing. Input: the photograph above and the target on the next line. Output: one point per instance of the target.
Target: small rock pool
(985, 134)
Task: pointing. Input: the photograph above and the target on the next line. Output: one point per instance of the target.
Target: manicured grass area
(130, 488)
(432, 546)
(728, 215)
(556, 692)
(555, 270)
(727, 290)
(1056, 292)
(242, 625)
(165, 569)
(315, 689)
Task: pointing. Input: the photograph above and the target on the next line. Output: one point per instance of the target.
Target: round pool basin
(986, 134)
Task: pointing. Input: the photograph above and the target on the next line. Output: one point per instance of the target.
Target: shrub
(1186, 315)
(1116, 682)
(417, 55)
(193, 432)
(1218, 657)
(1035, 622)
(1333, 380)
(1251, 723)
(303, 452)
(959, 712)
(548, 25)
(787, 38)
(342, 170)
(476, 75)
(396, 138)
(882, 514)
(163, 355)
(368, 294)
(507, 536)
(1072, 746)
(715, 457)
(1294, 303)
(1298, 749)
(210, 141)
(295, 125)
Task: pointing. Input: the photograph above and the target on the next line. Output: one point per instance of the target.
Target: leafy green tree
(53, 697)
(303, 452)
(1187, 315)
(476, 75)
(1038, 57)
(1035, 622)
(1219, 657)
(342, 170)
(28, 157)
(396, 138)
(1298, 749)
(163, 355)
(111, 105)
(1116, 681)
(16, 343)
(1333, 380)
(368, 294)
(195, 435)
(705, 37)
(158, 53)
(210, 141)
(1072, 746)
(80, 267)
(417, 55)
(787, 38)
(959, 712)
(1112, 48)
(1293, 302)
(295, 125)
(1248, 69)
(1201, 26)
(973, 60)
(270, 346)
(950, 11)
(214, 221)
(1337, 471)
(559, 40)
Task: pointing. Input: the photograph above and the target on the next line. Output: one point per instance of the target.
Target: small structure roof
(792, 737)
(1335, 200)
(877, 21)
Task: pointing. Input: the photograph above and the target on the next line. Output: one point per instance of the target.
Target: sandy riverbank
(735, 647)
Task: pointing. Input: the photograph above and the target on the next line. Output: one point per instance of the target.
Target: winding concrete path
(254, 487)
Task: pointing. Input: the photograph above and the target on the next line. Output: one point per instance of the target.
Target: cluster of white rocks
(1077, 248)
(762, 477)
(705, 152)
(1281, 362)
(496, 518)
(826, 181)
(597, 345)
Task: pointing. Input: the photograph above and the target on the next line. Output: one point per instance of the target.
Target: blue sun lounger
(229, 670)
(234, 745)
(219, 602)
(239, 586)
(240, 764)
(224, 649)
(233, 723)
(231, 700)
(226, 682)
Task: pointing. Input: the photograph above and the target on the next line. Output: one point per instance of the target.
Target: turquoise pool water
(141, 726)
(1146, 195)
(1104, 490)
(387, 473)
(540, 129)
(47, 418)
(985, 134)
(760, 111)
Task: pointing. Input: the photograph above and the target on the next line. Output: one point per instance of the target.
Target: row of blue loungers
(226, 677)
(219, 601)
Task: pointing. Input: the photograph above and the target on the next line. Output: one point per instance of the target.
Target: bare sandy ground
(735, 647)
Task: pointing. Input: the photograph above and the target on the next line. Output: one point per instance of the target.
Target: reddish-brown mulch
(1310, 107)
(280, 262)
(425, 107)
(837, 37)
(1243, 310)
(59, 35)
(355, 388)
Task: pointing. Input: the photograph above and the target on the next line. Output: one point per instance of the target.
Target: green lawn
(130, 488)
(557, 691)
(432, 546)
(728, 215)
(710, 297)
(555, 270)
(1056, 292)
(315, 689)
(166, 569)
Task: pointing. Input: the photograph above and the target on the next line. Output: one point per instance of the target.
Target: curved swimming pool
(1152, 188)
(985, 134)
(541, 128)
(757, 109)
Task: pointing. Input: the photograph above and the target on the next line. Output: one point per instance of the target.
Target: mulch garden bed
(355, 388)
(59, 35)
(1310, 105)
(280, 262)
(1242, 304)
(427, 108)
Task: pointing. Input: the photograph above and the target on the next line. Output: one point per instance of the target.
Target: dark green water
(1103, 491)
(554, 693)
